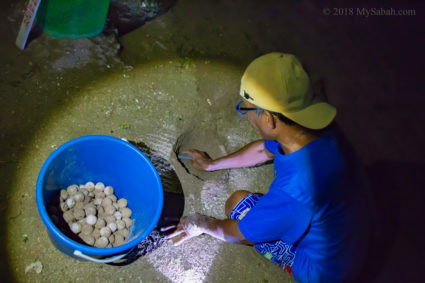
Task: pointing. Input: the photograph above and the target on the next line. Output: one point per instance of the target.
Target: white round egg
(76, 228)
(109, 190)
(91, 219)
(99, 187)
(70, 202)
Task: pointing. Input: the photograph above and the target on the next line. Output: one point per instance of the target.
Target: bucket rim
(51, 227)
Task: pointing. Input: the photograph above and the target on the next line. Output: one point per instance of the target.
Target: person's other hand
(201, 161)
(188, 228)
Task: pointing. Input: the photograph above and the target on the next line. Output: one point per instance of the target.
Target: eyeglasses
(243, 110)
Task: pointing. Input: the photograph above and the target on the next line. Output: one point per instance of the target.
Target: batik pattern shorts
(280, 253)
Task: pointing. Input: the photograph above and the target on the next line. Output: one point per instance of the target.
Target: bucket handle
(106, 260)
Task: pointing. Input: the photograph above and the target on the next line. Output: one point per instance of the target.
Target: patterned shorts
(278, 252)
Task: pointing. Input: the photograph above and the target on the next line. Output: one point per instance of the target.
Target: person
(312, 222)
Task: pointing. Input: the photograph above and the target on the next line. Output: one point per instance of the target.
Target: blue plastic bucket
(114, 162)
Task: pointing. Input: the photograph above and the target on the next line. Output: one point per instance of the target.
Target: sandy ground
(180, 73)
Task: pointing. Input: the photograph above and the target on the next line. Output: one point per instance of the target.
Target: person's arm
(195, 225)
(250, 155)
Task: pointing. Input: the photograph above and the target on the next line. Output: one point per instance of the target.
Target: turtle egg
(76, 228)
(122, 203)
(99, 195)
(79, 214)
(100, 223)
(126, 212)
(90, 209)
(72, 189)
(105, 231)
(100, 210)
(64, 194)
(96, 233)
(70, 202)
(68, 216)
(79, 205)
(88, 239)
(64, 206)
(127, 222)
(123, 232)
(112, 226)
(99, 187)
(97, 201)
(118, 215)
(120, 224)
(113, 198)
(90, 185)
(86, 229)
(110, 210)
(82, 187)
(87, 200)
(110, 218)
(106, 202)
(84, 191)
(109, 190)
(119, 240)
(91, 219)
(78, 196)
(102, 242)
(111, 239)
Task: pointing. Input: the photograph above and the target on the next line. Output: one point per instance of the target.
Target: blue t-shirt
(317, 202)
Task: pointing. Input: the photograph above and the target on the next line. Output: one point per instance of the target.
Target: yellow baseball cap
(277, 82)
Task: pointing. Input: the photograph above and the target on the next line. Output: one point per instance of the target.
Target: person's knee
(233, 200)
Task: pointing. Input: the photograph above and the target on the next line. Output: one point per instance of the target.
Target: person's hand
(201, 161)
(188, 228)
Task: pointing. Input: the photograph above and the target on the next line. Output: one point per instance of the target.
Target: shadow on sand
(171, 211)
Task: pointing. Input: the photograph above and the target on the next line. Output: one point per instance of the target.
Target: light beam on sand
(189, 262)
(192, 260)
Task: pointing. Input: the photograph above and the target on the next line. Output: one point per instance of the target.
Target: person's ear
(270, 119)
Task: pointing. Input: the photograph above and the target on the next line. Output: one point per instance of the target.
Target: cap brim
(316, 116)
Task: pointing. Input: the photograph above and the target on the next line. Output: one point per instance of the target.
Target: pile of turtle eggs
(95, 214)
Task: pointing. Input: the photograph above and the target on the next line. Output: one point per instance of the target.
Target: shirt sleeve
(276, 216)
(271, 146)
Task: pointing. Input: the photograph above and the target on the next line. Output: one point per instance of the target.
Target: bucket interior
(114, 162)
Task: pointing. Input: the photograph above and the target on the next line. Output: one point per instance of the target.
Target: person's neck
(295, 137)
